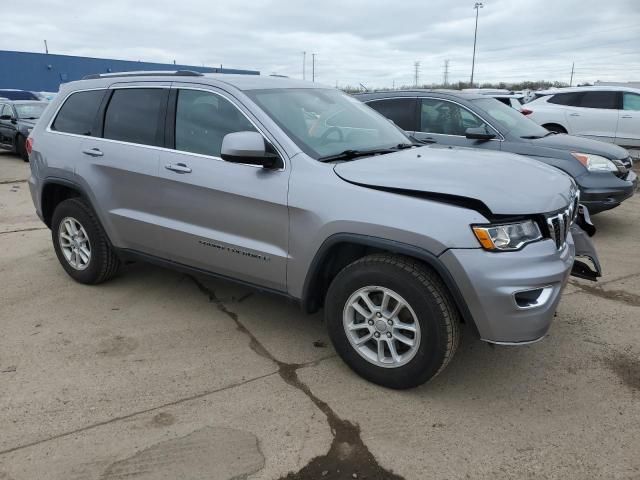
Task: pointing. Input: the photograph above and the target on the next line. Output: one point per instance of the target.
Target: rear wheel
(553, 127)
(81, 244)
(21, 148)
(391, 320)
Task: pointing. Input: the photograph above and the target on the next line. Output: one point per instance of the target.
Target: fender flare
(312, 278)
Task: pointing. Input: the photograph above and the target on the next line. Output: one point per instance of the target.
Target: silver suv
(304, 191)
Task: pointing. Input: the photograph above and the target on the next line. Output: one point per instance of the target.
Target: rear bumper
(492, 282)
(608, 194)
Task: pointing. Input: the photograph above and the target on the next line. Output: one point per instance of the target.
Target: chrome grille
(560, 223)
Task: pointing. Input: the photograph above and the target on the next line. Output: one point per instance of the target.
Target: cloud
(372, 42)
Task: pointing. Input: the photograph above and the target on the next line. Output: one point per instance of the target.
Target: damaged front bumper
(586, 265)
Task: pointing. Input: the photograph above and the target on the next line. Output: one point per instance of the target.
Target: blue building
(45, 72)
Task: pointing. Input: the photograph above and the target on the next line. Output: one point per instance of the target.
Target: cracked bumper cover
(489, 281)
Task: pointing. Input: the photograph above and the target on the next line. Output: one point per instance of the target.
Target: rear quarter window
(402, 111)
(78, 113)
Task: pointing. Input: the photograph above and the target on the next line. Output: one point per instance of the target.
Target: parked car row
(602, 171)
(17, 119)
(304, 191)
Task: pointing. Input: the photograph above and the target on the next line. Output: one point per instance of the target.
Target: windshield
(326, 122)
(30, 111)
(511, 120)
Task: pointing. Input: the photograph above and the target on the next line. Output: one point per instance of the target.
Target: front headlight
(595, 163)
(29, 130)
(510, 236)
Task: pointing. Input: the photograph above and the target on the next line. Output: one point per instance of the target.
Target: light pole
(477, 6)
(304, 65)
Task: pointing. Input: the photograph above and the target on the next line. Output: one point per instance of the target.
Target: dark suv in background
(602, 171)
(17, 119)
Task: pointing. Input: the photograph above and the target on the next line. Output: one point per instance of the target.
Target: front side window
(400, 110)
(202, 121)
(133, 115)
(599, 99)
(326, 122)
(78, 114)
(447, 118)
(630, 101)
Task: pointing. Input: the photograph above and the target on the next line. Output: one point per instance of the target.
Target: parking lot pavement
(161, 375)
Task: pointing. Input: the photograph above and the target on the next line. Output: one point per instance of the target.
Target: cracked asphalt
(161, 375)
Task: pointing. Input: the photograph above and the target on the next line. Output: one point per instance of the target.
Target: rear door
(228, 218)
(628, 133)
(122, 166)
(594, 114)
(445, 122)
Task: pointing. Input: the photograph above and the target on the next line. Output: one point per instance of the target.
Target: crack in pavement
(348, 457)
(134, 414)
(7, 182)
(615, 295)
(25, 230)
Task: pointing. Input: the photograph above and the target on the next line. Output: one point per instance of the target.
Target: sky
(370, 42)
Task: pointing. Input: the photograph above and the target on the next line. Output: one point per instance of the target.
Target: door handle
(177, 167)
(627, 116)
(574, 114)
(93, 152)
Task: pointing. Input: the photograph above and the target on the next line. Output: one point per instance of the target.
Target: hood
(498, 183)
(27, 123)
(571, 143)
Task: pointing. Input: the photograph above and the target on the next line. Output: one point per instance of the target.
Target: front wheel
(392, 321)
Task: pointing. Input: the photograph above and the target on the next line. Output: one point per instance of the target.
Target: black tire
(21, 148)
(552, 127)
(103, 263)
(424, 291)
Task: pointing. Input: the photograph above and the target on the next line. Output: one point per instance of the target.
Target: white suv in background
(610, 114)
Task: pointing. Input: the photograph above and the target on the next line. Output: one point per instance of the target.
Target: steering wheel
(324, 138)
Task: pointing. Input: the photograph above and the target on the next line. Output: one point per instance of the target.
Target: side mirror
(250, 148)
(479, 133)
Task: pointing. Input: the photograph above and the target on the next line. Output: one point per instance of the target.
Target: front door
(227, 218)
(628, 133)
(7, 127)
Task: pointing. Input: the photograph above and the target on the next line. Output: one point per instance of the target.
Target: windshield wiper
(29, 118)
(534, 137)
(351, 154)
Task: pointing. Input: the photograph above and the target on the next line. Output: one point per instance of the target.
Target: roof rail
(145, 73)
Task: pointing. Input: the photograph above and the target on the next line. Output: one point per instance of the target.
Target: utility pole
(477, 6)
(572, 69)
(313, 67)
(416, 73)
(46, 47)
(446, 73)
(304, 65)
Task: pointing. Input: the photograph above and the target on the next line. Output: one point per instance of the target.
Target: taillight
(29, 145)
(526, 111)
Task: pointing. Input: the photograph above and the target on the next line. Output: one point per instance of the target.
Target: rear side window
(400, 110)
(78, 114)
(569, 99)
(599, 100)
(133, 115)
